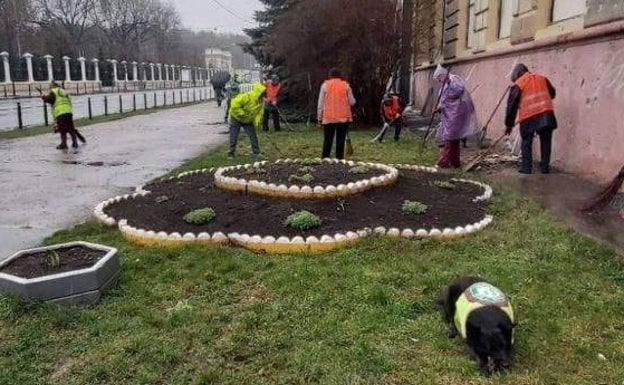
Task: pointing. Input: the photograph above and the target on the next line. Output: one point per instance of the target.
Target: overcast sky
(208, 15)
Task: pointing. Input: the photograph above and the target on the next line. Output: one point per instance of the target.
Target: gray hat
(518, 70)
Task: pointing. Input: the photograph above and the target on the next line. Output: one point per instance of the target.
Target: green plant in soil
(413, 207)
(311, 162)
(306, 178)
(361, 169)
(200, 216)
(306, 170)
(53, 260)
(445, 185)
(303, 220)
(255, 171)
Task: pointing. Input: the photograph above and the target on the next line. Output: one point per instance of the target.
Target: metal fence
(33, 112)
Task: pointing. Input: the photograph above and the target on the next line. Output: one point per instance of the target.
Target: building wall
(583, 56)
(218, 59)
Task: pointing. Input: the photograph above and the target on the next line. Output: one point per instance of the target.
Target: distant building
(577, 44)
(218, 60)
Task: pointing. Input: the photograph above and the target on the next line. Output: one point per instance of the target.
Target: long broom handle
(500, 101)
(433, 113)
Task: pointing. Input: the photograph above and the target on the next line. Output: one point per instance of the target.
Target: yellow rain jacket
(247, 107)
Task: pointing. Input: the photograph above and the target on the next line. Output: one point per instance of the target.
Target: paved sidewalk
(43, 190)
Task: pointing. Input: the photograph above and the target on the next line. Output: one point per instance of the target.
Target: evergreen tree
(259, 47)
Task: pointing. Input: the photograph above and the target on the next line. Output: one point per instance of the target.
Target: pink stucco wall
(589, 78)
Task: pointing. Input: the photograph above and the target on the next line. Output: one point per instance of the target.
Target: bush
(362, 169)
(413, 207)
(446, 185)
(255, 171)
(200, 216)
(306, 170)
(303, 220)
(306, 178)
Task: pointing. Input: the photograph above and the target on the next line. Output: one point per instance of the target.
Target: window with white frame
(507, 8)
(471, 35)
(567, 9)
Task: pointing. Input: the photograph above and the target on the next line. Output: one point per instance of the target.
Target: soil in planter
(253, 214)
(43, 263)
(325, 174)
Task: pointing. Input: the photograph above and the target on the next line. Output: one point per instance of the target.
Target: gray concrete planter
(77, 287)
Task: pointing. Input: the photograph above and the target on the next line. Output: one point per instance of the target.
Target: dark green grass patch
(361, 315)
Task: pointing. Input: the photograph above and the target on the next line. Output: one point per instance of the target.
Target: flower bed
(156, 214)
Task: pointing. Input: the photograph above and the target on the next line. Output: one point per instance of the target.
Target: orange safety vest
(272, 89)
(535, 98)
(336, 104)
(391, 108)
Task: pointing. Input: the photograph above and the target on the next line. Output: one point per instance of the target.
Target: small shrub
(361, 169)
(255, 171)
(306, 178)
(446, 185)
(306, 170)
(200, 216)
(311, 162)
(413, 207)
(303, 220)
(53, 260)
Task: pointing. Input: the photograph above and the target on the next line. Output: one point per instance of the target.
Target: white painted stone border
(434, 232)
(487, 193)
(305, 191)
(284, 244)
(150, 237)
(101, 216)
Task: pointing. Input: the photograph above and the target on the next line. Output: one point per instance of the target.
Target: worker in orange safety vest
(531, 100)
(334, 112)
(270, 104)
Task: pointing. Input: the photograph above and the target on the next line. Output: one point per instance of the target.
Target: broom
(605, 197)
(348, 151)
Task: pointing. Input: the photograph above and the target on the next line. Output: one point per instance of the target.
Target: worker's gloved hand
(397, 116)
(508, 130)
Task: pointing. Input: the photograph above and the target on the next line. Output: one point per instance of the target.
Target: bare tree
(127, 24)
(359, 36)
(66, 21)
(13, 19)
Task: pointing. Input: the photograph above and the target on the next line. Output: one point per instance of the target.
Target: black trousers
(397, 124)
(545, 136)
(331, 129)
(65, 125)
(265, 119)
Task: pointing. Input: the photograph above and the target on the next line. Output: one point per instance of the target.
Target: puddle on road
(95, 163)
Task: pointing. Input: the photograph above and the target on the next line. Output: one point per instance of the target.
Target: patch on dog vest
(477, 296)
(486, 294)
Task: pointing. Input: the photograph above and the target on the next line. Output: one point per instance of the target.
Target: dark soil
(42, 263)
(325, 174)
(253, 214)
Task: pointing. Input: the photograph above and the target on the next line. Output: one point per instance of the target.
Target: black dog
(483, 316)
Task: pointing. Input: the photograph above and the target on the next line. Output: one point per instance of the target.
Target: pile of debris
(493, 161)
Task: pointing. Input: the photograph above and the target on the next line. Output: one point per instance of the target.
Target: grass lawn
(363, 315)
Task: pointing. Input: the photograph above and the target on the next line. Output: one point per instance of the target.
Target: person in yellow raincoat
(246, 112)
